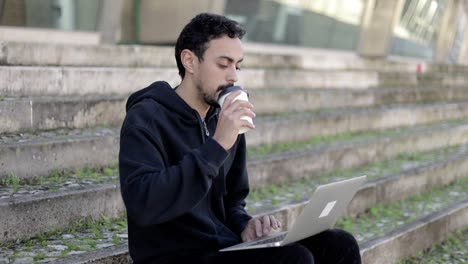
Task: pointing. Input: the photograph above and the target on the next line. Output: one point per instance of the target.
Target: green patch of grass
(109, 172)
(97, 232)
(116, 240)
(264, 150)
(57, 177)
(105, 124)
(374, 170)
(122, 222)
(40, 256)
(96, 228)
(452, 250)
(16, 254)
(29, 243)
(12, 180)
(54, 189)
(91, 242)
(346, 223)
(72, 246)
(64, 253)
(381, 218)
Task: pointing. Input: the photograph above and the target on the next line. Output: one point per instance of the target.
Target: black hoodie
(183, 192)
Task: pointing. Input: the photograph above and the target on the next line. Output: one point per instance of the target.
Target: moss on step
(272, 196)
(381, 218)
(262, 151)
(453, 250)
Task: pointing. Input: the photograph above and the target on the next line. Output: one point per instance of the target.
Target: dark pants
(332, 246)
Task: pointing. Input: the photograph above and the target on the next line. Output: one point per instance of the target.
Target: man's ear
(188, 58)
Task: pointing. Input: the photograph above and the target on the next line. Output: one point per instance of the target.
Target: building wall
(432, 30)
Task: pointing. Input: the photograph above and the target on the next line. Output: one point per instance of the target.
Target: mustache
(223, 87)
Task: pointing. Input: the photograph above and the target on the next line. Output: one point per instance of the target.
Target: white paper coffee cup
(243, 96)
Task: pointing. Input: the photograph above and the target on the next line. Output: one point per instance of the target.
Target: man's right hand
(230, 122)
(260, 227)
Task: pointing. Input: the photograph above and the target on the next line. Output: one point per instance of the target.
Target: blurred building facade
(432, 30)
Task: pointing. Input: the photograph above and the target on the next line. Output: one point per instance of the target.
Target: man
(183, 164)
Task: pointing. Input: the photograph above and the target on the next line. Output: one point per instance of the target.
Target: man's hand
(260, 227)
(230, 122)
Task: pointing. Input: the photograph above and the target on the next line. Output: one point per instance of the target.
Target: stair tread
(111, 233)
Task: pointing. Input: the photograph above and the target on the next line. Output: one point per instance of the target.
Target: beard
(211, 99)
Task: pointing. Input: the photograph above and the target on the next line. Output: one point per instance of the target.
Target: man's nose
(233, 75)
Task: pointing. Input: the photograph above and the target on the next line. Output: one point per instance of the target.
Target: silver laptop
(321, 213)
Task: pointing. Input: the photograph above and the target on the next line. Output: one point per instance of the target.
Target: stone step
(114, 254)
(99, 195)
(34, 54)
(432, 226)
(415, 236)
(383, 190)
(452, 250)
(119, 251)
(46, 54)
(294, 161)
(52, 81)
(276, 129)
(388, 180)
(267, 101)
(27, 215)
(32, 155)
(46, 81)
(35, 81)
(45, 113)
(40, 54)
(388, 248)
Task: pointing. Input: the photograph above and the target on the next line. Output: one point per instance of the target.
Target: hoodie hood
(165, 95)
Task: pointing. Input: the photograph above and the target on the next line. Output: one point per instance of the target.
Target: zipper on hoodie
(203, 128)
(207, 133)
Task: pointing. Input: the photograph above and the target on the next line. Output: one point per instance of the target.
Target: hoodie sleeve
(154, 193)
(237, 184)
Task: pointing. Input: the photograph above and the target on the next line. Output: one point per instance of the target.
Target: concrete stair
(91, 201)
(46, 113)
(62, 106)
(388, 190)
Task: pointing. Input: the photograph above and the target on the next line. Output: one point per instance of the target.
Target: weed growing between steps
(381, 218)
(272, 196)
(12, 181)
(57, 134)
(263, 151)
(84, 236)
(89, 236)
(453, 250)
(57, 180)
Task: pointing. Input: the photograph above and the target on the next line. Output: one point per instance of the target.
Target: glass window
(418, 28)
(79, 15)
(314, 23)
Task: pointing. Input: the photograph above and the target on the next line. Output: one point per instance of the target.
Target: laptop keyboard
(270, 240)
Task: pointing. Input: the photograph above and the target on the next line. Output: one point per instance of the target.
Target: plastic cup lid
(232, 89)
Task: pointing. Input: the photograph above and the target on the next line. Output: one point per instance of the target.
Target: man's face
(219, 68)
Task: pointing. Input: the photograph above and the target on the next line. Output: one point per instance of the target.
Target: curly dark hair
(200, 30)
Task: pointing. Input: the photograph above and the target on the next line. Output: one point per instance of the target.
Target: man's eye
(238, 68)
(222, 66)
